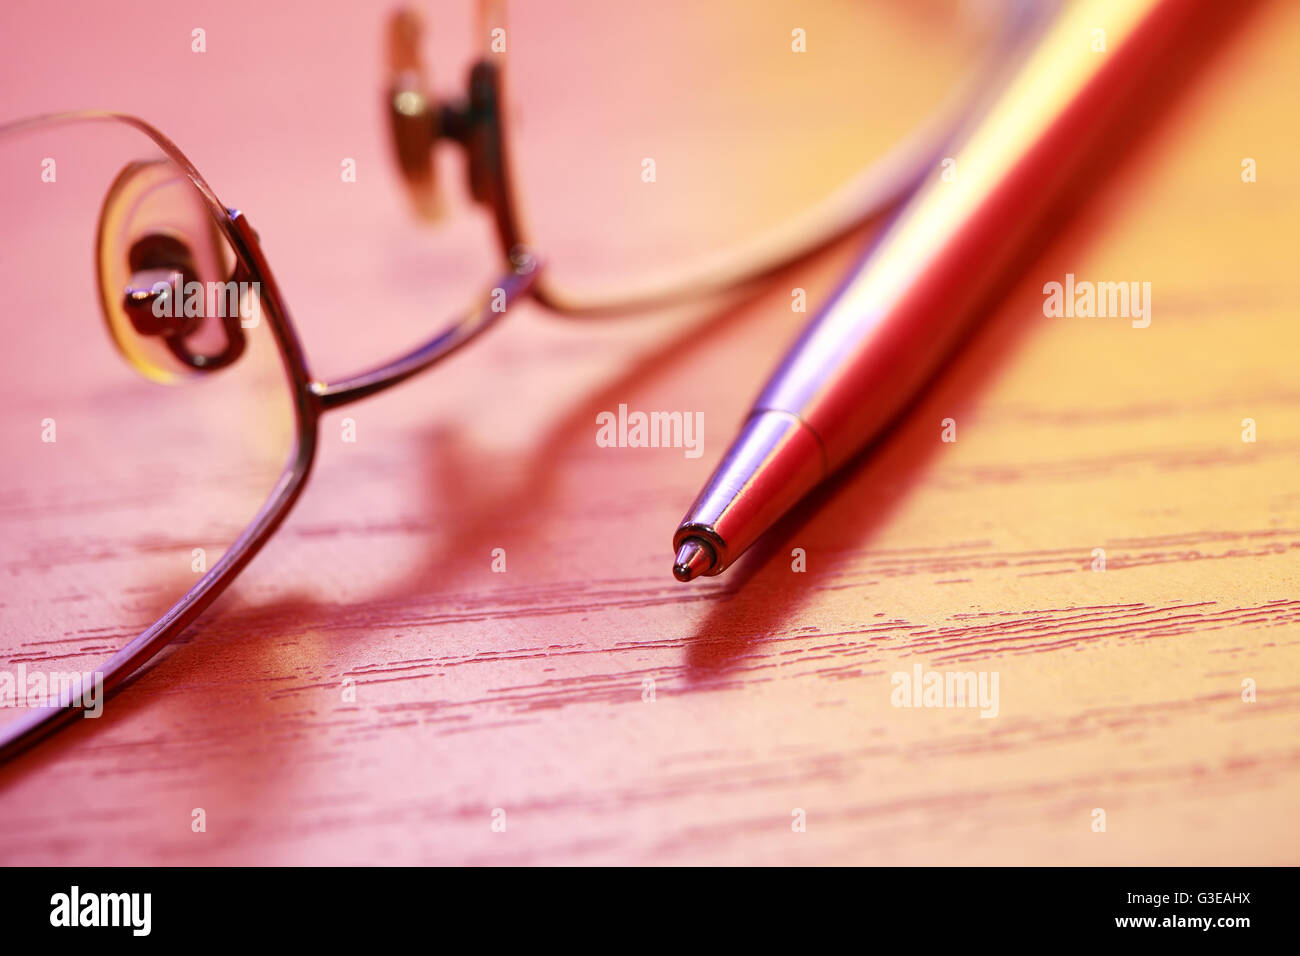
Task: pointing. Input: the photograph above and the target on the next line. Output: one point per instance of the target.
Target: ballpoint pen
(886, 331)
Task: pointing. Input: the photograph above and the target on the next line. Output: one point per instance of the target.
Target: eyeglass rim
(312, 397)
(21, 734)
(870, 195)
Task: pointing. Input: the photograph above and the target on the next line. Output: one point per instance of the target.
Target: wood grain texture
(525, 690)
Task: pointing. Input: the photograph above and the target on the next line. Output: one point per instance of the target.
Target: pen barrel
(884, 334)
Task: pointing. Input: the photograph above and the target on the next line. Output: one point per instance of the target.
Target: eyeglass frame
(478, 128)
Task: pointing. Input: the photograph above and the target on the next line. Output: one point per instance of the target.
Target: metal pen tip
(694, 558)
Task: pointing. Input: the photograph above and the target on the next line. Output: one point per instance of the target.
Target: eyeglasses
(588, 128)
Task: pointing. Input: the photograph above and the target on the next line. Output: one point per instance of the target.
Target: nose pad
(161, 265)
(414, 115)
(162, 268)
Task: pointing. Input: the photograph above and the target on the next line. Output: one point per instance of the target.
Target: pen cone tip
(694, 558)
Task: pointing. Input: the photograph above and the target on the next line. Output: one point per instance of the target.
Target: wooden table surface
(527, 691)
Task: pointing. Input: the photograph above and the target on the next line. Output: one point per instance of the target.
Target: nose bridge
(514, 285)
